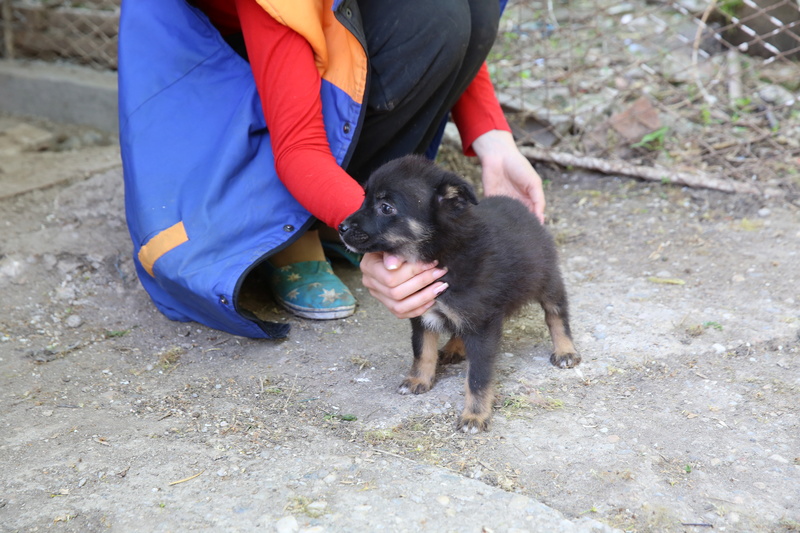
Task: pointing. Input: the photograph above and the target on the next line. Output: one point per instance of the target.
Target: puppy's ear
(455, 192)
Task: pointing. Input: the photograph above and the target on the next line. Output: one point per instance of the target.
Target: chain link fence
(702, 92)
(83, 32)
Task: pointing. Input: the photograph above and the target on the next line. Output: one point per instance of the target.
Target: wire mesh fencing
(703, 92)
(83, 32)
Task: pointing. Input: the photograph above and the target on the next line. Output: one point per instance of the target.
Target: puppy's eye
(387, 209)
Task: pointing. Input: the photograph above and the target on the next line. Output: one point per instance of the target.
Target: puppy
(498, 258)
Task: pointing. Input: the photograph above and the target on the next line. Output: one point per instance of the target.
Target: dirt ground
(683, 415)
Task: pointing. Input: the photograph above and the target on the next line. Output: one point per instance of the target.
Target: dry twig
(696, 180)
(184, 480)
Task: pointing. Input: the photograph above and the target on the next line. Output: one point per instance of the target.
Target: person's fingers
(414, 305)
(415, 284)
(408, 291)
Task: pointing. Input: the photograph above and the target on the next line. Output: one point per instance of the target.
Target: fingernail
(439, 272)
(440, 289)
(392, 266)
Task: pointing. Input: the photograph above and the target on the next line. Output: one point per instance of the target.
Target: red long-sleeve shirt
(288, 84)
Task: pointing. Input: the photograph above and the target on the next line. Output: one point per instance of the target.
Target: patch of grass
(515, 406)
(548, 403)
(342, 417)
(113, 334)
(169, 358)
(654, 140)
(378, 436)
(360, 362)
(750, 225)
(303, 505)
(698, 329)
(787, 524)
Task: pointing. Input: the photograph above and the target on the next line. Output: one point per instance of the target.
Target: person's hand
(505, 171)
(406, 289)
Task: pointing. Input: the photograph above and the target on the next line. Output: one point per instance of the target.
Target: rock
(639, 119)
(777, 95)
(65, 293)
(74, 321)
(11, 267)
(287, 524)
(24, 138)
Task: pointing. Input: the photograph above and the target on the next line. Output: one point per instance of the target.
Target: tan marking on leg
(477, 410)
(452, 352)
(420, 377)
(564, 354)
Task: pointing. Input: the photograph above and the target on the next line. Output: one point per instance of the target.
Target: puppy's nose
(344, 227)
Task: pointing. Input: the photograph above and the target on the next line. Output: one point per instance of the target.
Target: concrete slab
(62, 93)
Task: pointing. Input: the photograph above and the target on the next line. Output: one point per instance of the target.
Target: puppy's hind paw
(412, 385)
(565, 360)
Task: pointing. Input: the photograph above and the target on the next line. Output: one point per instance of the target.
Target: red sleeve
(288, 83)
(478, 111)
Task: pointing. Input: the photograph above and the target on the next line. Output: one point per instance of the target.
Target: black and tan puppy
(498, 258)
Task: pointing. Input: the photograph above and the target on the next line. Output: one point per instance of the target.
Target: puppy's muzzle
(351, 234)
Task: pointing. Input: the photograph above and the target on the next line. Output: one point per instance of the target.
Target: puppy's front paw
(565, 360)
(412, 385)
(473, 423)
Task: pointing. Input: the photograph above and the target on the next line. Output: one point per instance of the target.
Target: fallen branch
(696, 180)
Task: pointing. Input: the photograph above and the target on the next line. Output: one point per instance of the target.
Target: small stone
(74, 321)
(775, 94)
(287, 524)
(600, 332)
(443, 500)
(65, 293)
(318, 506)
(11, 267)
(718, 348)
(49, 261)
(25, 138)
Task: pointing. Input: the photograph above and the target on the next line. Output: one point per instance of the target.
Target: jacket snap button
(348, 13)
(346, 128)
(223, 300)
(288, 228)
